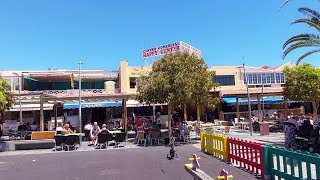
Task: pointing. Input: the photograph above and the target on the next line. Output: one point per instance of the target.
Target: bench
(43, 135)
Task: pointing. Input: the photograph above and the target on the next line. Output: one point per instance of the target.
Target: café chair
(72, 141)
(59, 142)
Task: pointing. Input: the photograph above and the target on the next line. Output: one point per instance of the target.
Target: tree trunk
(198, 113)
(185, 115)
(315, 106)
(169, 119)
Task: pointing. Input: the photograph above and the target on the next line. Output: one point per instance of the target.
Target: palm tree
(304, 40)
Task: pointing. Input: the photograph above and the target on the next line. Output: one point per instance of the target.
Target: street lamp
(263, 79)
(20, 109)
(249, 104)
(80, 123)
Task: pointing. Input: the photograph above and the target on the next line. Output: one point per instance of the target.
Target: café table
(78, 134)
(115, 132)
(243, 125)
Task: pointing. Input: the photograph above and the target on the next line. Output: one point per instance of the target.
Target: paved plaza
(276, 139)
(131, 162)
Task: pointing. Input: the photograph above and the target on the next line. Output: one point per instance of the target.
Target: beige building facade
(231, 79)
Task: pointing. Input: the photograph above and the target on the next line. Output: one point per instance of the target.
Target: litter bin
(264, 129)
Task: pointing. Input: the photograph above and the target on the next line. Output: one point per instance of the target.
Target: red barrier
(246, 154)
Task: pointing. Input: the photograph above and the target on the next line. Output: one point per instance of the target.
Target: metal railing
(70, 92)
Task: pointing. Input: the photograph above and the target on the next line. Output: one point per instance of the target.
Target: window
(259, 78)
(133, 82)
(92, 85)
(278, 76)
(254, 79)
(265, 78)
(282, 78)
(272, 78)
(224, 80)
(249, 76)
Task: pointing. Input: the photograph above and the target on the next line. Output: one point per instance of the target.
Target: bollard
(224, 175)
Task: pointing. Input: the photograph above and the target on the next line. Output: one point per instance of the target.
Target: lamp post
(80, 123)
(263, 78)
(249, 104)
(20, 108)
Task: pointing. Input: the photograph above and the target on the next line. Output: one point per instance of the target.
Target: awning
(30, 107)
(96, 104)
(266, 100)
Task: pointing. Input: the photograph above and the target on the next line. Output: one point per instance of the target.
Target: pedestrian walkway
(83, 147)
(276, 139)
(114, 163)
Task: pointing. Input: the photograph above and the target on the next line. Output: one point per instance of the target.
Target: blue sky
(38, 34)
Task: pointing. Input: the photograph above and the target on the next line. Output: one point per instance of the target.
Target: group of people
(29, 126)
(95, 130)
(298, 125)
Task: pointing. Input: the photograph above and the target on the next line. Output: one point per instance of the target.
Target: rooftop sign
(170, 48)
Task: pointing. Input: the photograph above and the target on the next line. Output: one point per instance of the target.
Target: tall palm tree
(312, 19)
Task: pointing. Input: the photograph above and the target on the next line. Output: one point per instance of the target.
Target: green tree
(306, 40)
(177, 79)
(6, 96)
(303, 83)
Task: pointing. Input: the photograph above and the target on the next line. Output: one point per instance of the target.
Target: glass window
(282, 78)
(272, 78)
(250, 81)
(224, 80)
(254, 78)
(259, 78)
(133, 82)
(278, 77)
(264, 78)
(267, 78)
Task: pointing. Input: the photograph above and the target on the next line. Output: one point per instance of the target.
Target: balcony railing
(72, 92)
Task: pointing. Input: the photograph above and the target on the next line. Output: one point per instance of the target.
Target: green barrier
(289, 164)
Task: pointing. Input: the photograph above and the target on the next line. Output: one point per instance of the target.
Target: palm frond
(299, 44)
(306, 54)
(309, 12)
(311, 22)
(301, 37)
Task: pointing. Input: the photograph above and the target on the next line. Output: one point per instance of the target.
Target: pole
(41, 114)
(263, 78)
(80, 123)
(20, 109)
(249, 104)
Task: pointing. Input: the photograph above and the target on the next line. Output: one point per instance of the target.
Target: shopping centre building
(52, 95)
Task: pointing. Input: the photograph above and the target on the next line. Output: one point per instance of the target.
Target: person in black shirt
(175, 118)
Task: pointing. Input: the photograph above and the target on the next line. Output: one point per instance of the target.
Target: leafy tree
(6, 96)
(177, 79)
(305, 40)
(303, 83)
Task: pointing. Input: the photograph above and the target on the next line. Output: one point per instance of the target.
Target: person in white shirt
(88, 126)
(59, 127)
